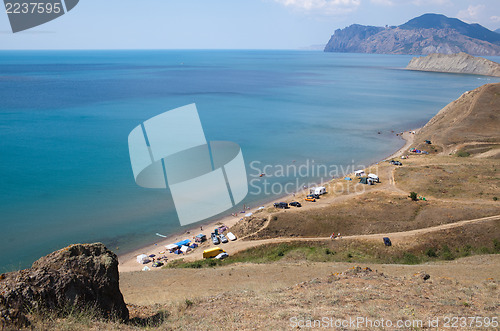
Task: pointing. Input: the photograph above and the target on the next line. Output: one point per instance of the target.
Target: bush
(413, 196)
(462, 153)
(409, 258)
(446, 253)
(495, 198)
(431, 252)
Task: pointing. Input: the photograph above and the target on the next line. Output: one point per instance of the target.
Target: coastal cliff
(427, 34)
(469, 123)
(455, 63)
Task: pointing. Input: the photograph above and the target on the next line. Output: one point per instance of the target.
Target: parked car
(310, 199)
(215, 238)
(295, 204)
(396, 163)
(222, 256)
(157, 264)
(387, 241)
(223, 238)
(282, 205)
(314, 196)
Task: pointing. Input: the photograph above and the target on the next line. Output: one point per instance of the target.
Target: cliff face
(457, 63)
(427, 34)
(81, 276)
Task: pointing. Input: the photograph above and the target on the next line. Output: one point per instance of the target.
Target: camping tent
(185, 249)
(142, 259)
(171, 247)
(366, 180)
(249, 214)
(359, 173)
(184, 242)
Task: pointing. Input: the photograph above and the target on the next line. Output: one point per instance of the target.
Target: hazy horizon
(226, 25)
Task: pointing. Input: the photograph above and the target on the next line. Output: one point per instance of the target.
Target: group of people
(335, 236)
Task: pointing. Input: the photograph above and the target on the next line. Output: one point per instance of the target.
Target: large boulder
(83, 276)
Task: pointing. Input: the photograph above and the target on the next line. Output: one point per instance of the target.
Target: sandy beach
(128, 262)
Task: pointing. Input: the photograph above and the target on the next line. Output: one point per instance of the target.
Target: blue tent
(348, 178)
(183, 243)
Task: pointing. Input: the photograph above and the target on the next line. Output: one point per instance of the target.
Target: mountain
(426, 34)
(460, 63)
(497, 30)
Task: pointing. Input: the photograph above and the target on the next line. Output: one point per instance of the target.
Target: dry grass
(373, 212)
(468, 179)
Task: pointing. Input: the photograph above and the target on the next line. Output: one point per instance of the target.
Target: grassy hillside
(469, 124)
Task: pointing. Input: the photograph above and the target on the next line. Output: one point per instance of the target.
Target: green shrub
(495, 198)
(446, 254)
(409, 258)
(413, 196)
(431, 252)
(462, 153)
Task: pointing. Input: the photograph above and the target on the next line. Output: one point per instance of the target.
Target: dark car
(282, 205)
(295, 204)
(215, 238)
(387, 241)
(313, 196)
(396, 163)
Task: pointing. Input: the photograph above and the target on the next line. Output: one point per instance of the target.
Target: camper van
(212, 252)
(318, 190)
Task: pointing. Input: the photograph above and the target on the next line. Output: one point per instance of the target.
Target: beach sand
(128, 262)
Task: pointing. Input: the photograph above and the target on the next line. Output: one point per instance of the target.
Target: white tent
(171, 247)
(374, 177)
(249, 214)
(359, 173)
(185, 249)
(142, 259)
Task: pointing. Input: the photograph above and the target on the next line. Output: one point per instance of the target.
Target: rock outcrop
(427, 34)
(81, 276)
(456, 63)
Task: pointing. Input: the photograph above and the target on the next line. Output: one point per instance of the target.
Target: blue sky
(227, 24)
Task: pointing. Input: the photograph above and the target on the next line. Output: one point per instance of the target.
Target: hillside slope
(429, 33)
(471, 122)
(455, 63)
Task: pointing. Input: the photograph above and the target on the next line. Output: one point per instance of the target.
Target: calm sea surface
(65, 118)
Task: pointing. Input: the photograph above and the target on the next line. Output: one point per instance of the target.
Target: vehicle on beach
(310, 199)
(231, 236)
(396, 163)
(295, 204)
(314, 196)
(200, 238)
(215, 238)
(222, 256)
(318, 190)
(223, 238)
(282, 205)
(212, 252)
(157, 264)
(374, 177)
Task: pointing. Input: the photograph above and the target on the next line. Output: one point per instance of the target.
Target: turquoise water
(65, 118)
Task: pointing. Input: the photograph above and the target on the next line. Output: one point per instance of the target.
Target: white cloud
(383, 2)
(471, 13)
(431, 2)
(495, 19)
(324, 6)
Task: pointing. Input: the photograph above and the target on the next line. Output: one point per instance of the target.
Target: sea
(65, 117)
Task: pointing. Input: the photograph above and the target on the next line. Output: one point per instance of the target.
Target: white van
(317, 190)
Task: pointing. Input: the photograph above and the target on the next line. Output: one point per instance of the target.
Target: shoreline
(127, 260)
